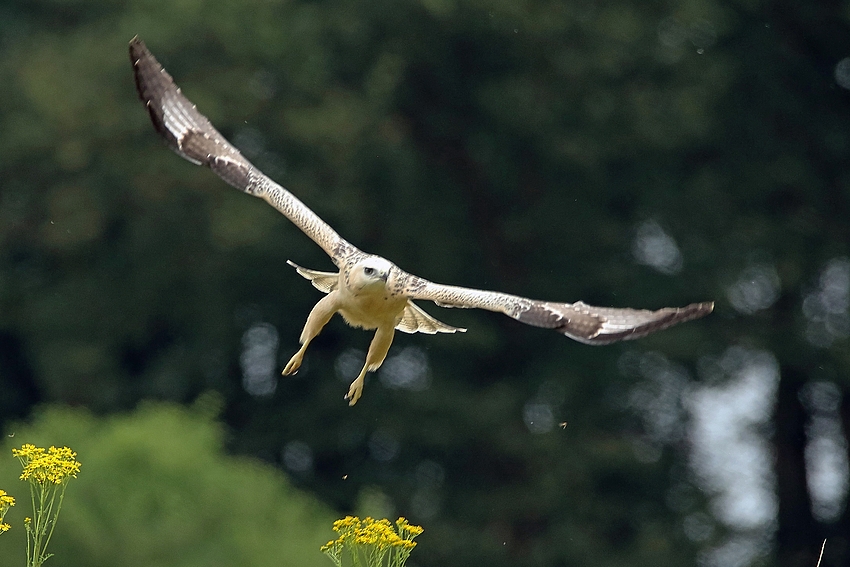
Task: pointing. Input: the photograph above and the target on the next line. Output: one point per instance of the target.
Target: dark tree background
(626, 153)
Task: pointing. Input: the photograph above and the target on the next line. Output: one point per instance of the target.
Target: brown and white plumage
(369, 291)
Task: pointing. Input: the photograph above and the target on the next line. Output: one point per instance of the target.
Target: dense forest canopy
(625, 153)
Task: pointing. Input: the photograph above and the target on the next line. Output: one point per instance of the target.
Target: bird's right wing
(191, 135)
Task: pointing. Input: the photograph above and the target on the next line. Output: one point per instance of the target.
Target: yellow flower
(51, 466)
(28, 451)
(6, 501)
(405, 527)
(346, 523)
(372, 540)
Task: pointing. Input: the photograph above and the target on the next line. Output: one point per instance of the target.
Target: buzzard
(370, 291)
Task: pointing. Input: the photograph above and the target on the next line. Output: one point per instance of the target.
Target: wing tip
(153, 85)
(138, 49)
(145, 68)
(696, 310)
(666, 318)
(672, 317)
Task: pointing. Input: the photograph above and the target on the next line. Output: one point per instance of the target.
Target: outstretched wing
(191, 135)
(579, 321)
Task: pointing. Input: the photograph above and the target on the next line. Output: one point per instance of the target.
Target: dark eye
(369, 271)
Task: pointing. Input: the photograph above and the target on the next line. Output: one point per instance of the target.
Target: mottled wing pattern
(579, 321)
(622, 324)
(191, 135)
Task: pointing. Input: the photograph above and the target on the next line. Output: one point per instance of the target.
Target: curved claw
(293, 365)
(355, 391)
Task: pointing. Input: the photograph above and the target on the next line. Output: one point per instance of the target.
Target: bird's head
(370, 273)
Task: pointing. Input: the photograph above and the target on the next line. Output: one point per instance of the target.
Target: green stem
(29, 551)
(39, 522)
(56, 514)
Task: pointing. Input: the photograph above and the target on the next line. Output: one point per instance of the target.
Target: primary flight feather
(369, 291)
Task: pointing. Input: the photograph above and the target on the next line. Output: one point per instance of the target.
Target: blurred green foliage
(157, 488)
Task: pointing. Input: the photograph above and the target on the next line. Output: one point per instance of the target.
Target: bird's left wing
(579, 321)
(191, 135)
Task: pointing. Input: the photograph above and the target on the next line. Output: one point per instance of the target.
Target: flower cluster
(53, 465)
(6, 502)
(47, 472)
(371, 541)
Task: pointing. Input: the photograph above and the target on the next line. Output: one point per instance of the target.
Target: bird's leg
(318, 318)
(377, 353)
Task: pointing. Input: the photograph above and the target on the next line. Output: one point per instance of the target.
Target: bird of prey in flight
(370, 291)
